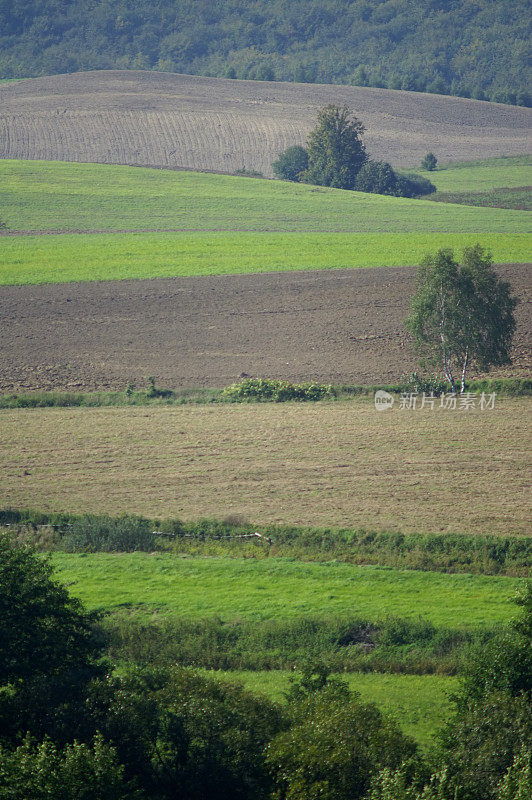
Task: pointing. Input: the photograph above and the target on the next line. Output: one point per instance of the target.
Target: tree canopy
(291, 163)
(461, 315)
(49, 651)
(475, 49)
(336, 152)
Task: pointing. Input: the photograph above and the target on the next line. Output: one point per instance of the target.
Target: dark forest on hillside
(473, 49)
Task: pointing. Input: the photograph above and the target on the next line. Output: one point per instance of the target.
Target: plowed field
(161, 119)
(343, 326)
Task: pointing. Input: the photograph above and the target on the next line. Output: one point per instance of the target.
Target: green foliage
(377, 177)
(341, 642)
(469, 49)
(413, 186)
(506, 664)
(248, 173)
(517, 783)
(491, 728)
(277, 391)
(461, 315)
(291, 163)
(100, 533)
(429, 162)
(482, 740)
(335, 151)
(184, 735)
(333, 746)
(49, 651)
(424, 383)
(504, 387)
(79, 772)
(398, 785)
(441, 552)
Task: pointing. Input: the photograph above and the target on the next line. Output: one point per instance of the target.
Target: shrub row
(256, 389)
(440, 552)
(342, 644)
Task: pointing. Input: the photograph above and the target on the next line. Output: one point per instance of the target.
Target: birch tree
(461, 315)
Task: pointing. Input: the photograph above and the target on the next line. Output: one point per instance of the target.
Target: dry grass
(327, 464)
(158, 119)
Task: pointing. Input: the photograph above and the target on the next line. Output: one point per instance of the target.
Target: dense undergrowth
(453, 553)
(342, 643)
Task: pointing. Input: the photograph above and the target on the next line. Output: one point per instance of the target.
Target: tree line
(477, 49)
(73, 728)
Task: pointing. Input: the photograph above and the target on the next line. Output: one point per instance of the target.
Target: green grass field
(519, 198)
(37, 195)
(68, 258)
(477, 176)
(420, 703)
(222, 224)
(232, 588)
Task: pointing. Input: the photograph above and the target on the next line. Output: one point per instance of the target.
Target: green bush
(341, 643)
(413, 186)
(376, 177)
(291, 163)
(333, 746)
(183, 735)
(429, 162)
(95, 533)
(427, 384)
(278, 391)
(80, 772)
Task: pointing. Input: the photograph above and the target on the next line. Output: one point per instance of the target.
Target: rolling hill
(183, 121)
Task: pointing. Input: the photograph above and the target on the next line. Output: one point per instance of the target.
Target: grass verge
(505, 387)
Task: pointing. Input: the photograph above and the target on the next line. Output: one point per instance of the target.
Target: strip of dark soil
(342, 326)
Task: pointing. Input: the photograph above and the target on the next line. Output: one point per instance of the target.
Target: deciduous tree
(462, 315)
(336, 152)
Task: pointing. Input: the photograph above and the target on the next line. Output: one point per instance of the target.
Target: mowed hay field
(336, 464)
(168, 120)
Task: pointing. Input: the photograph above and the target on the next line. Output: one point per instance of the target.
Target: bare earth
(185, 121)
(343, 326)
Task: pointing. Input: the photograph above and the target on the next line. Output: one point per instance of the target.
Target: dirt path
(343, 326)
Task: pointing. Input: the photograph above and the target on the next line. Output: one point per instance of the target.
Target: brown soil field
(343, 326)
(185, 121)
(325, 464)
